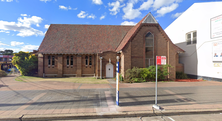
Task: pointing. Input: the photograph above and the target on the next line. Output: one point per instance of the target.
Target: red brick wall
(179, 66)
(49, 69)
(40, 65)
(134, 52)
(88, 69)
(70, 69)
(106, 56)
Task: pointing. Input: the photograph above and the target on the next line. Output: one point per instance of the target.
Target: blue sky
(23, 23)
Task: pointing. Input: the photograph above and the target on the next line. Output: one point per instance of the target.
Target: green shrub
(181, 75)
(120, 77)
(2, 73)
(145, 74)
(162, 72)
(131, 74)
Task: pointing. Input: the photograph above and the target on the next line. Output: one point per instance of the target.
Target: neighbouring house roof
(82, 39)
(90, 39)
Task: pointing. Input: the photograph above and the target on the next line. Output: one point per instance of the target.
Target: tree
(26, 62)
(6, 52)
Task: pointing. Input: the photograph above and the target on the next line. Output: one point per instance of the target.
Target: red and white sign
(161, 60)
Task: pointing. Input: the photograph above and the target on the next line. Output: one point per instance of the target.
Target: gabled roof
(82, 39)
(91, 39)
(147, 19)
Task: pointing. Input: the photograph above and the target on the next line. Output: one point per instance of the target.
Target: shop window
(90, 60)
(49, 60)
(86, 60)
(191, 37)
(71, 61)
(149, 49)
(53, 60)
(67, 60)
(4, 59)
(1, 59)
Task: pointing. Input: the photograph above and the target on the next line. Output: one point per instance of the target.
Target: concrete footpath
(64, 100)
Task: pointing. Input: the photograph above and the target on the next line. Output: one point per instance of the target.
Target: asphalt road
(40, 98)
(200, 117)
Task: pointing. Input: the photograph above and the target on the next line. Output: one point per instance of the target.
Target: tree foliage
(6, 52)
(26, 62)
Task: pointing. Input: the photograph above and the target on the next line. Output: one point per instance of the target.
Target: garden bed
(188, 80)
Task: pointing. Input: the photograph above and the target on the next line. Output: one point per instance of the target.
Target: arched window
(86, 60)
(53, 60)
(149, 49)
(67, 60)
(49, 60)
(90, 60)
(71, 61)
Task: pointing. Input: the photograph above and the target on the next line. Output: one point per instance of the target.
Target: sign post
(160, 60)
(117, 81)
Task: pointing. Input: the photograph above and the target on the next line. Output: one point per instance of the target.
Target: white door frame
(109, 70)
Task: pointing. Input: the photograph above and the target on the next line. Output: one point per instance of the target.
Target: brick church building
(92, 50)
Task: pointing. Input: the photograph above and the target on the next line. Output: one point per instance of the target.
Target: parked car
(11, 69)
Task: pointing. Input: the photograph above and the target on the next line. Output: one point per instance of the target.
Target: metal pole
(156, 83)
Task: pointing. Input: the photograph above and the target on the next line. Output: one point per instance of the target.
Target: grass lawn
(86, 80)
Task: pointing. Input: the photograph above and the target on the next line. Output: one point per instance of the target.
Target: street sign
(161, 60)
(158, 60)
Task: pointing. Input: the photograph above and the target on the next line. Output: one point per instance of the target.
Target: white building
(198, 31)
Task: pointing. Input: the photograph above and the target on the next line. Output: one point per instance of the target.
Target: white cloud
(168, 9)
(6, 0)
(130, 13)
(14, 49)
(23, 14)
(116, 7)
(146, 5)
(121, 0)
(3, 44)
(102, 17)
(82, 14)
(45, 0)
(29, 48)
(91, 16)
(161, 3)
(128, 23)
(23, 26)
(28, 21)
(133, 1)
(14, 43)
(98, 2)
(65, 8)
(176, 15)
(47, 26)
(4, 31)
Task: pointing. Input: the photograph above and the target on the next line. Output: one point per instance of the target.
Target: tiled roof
(131, 32)
(88, 39)
(82, 39)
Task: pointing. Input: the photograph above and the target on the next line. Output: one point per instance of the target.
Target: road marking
(79, 86)
(179, 96)
(110, 102)
(29, 103)
(171, 119)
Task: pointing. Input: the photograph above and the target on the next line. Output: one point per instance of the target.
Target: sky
(23, 23)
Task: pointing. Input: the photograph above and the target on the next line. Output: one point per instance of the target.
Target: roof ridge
(131, 34)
